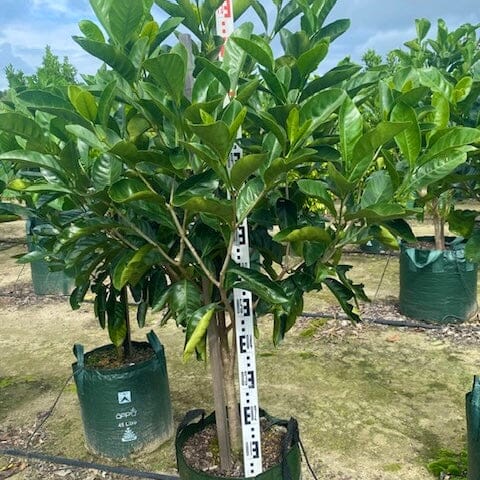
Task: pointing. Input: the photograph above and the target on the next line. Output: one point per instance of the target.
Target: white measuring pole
(244, 319)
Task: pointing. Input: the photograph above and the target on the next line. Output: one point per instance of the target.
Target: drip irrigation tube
(378, 321)
(129, 472)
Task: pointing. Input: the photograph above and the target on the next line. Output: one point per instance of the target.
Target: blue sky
(29, 25)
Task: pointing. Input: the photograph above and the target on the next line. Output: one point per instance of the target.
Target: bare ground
(373, 402)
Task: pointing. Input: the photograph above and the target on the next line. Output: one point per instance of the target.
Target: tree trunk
(127, 343)
(218, 380)
(439, 229)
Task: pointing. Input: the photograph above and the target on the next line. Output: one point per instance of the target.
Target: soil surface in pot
(110, 358)
(201, 450)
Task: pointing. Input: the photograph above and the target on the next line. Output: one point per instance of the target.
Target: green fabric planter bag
(288, 469)
(125, 411)
(46, 282)
(437, 285)
(473, 430)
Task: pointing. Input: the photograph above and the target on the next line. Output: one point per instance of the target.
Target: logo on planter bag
(129, 435)
(124, 397)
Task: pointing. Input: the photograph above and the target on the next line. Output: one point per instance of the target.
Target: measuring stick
(243, 305)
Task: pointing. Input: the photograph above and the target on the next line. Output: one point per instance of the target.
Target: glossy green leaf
(111, 55)
(250, 194)
(125, 18)
(129, 190)
(409, 140)
(244, 167)
(455, 137)
(308, 62)
(18, 124)
(36, 160)
(86, 136)
(216, 136)
(258, 283)
(369, 143)
(135, 266)
(350, 124)
(333, 30)
(218, 208)
(435, 169)
(317, 189)
(83, 101)
(303, 234)
(197, 326)
(423, 26)
(258, 49)
(91, 30)
(441, 114)
(117, 327)
(378, 188)
(220, 74)
(321, 106)
(169, 71)
(462, 222)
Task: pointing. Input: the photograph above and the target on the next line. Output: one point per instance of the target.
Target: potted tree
(436, 94)
(142, 152)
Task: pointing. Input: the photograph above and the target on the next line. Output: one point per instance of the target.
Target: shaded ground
(373, 402)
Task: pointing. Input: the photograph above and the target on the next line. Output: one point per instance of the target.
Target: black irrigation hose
(379, 321)
(71, 462)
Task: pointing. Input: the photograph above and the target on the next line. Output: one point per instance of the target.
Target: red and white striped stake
(244, 318)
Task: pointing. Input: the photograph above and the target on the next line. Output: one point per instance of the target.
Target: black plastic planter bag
(473, 430)
(127, 410)
(45, 281)
(288, 469)
(437, 285)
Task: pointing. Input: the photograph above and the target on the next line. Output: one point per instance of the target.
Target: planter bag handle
(432, 256)
(78, 351)
(473, 398)
(292, 437)
(189, 417)
(154, 342)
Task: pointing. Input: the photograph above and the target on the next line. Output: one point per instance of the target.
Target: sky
(27, 26)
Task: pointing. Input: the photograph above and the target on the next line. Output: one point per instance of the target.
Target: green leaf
(343, 296)
(462, 222)
(131, 189)
(340, 185)
(333, 30)
(287, 213)
(462, 89)
(454, 137)
(257, 283)
(125, 18)
(244, 167)
(18, 124)
(83, 101)
(240, 7)
(441, 114)
(368, 145)
(303, 234)
(423, 26)
(28, 158)
(135, 265)
(321, 106)
(350, 124)
(91, 31)
(117, 326)
(409, 140)
(317, 189)
(220, 74)
(218, 208)
(379, 212)
(435, 170)
(258, 49)
(111, 55)
(308, 62)
(378, 188)
(169, 71)
(197, 326)
(216, 136)
(234, 56)
(249, 196)
(86, 136)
